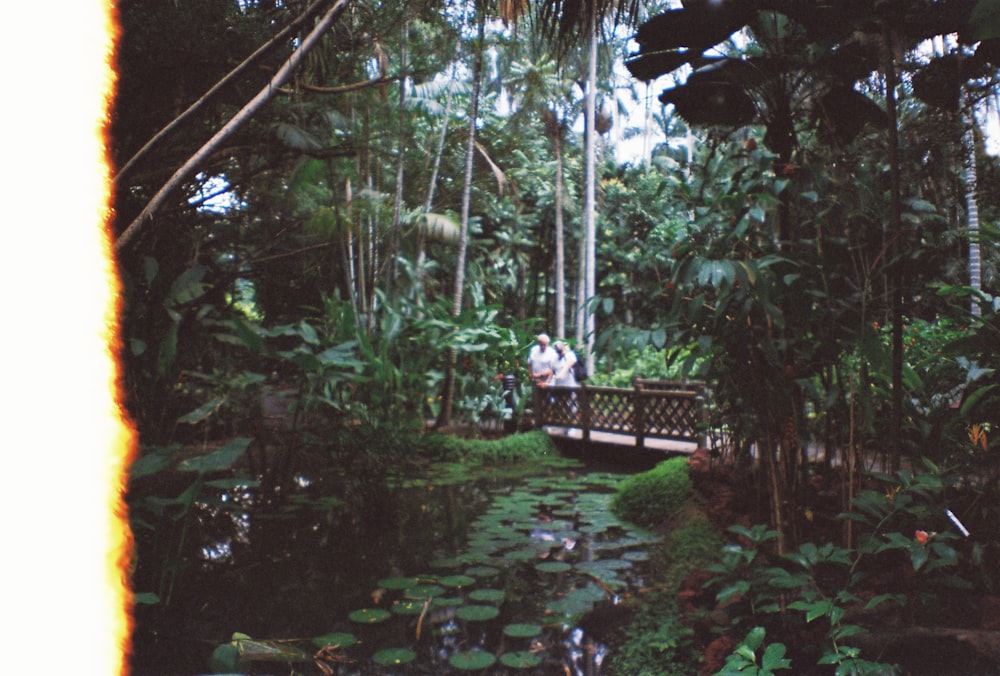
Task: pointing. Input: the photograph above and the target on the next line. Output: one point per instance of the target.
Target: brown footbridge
(670, 416)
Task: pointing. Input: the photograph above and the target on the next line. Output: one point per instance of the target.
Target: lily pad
(409, 606)
(487, 595)
(457, 581)
(447, 601)
(637, 555)
(482, 571)
(554, 566)
(335, 638)
(521, 554)
(393, 656)
(521, 659)
(397, 582)
(522, 630)
(472, 660)
(369, 615)
(477, 613)
(423, 591)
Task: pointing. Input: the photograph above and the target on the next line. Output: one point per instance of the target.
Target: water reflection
(485, 558)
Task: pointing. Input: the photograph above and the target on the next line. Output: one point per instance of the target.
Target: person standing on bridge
(564, 373)
(542, 361)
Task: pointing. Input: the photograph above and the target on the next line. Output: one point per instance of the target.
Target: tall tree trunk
(895, 430)
(444, 418)
(397, 203)
(590, 194)
(560, 262)
(431, 186)
(972, 206)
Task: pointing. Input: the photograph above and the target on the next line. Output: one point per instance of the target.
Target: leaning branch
(232, 75)
(342, 89)
(250, 109)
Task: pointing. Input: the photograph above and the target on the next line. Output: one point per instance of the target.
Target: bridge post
(638, 414)
(583, 397)
(537, 400)
(703, 439)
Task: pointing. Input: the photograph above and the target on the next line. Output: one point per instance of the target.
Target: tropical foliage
(338, 223)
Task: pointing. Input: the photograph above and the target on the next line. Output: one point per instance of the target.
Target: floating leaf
(522, 659)
(553, 567)
(487, 595)
(409, 606)
(457, 581)
(477, 613)
(335, 638)
(522, 630)
(520, 555)
(369, 615)
(447, 601)
(472, 660)
(423, 591)
(482, 571)
(393, 656)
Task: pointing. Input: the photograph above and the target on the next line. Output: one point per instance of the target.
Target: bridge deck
(668, 446)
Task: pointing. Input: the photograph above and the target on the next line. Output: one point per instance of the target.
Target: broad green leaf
(755, 638)
(971, 400)
(188, 286)
(217, 460)
(308, 333)
(774, 658)
(202, 412)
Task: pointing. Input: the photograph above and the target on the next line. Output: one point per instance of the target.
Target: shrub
(510, 449)
(650, 497)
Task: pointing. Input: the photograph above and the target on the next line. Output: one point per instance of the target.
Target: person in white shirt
(564, 375)
(542, 361)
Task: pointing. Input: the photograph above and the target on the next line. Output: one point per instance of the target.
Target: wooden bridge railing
(664, 409)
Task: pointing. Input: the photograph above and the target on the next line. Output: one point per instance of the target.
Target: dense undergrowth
(911, 591)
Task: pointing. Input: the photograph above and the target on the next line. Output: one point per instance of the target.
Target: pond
(443, 574)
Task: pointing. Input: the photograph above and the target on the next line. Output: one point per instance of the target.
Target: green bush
(506, 450)
(650, 497)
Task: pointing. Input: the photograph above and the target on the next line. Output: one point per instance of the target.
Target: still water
(437, 575)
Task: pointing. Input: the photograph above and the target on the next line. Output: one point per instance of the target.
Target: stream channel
(440, 575)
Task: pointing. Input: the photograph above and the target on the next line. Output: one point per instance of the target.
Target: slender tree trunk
(432, 185)
(444, 418)
(972, 207)
(397, 204)
(896, 233)
(560, 262)
(245, 113)
(590, 195)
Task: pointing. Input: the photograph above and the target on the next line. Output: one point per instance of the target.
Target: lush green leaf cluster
(514, 448)
(651, 497)
(836, 585)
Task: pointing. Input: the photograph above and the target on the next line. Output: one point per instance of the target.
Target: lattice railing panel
(560, 407)
(671, 417)
(610, 410)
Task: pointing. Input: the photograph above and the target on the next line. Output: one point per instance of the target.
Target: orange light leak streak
(66, 442)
